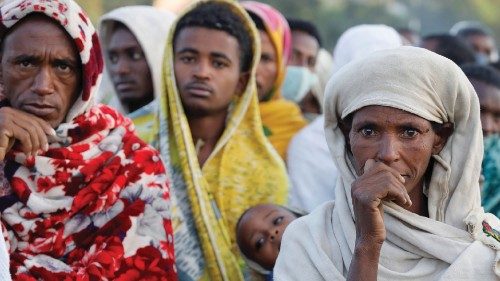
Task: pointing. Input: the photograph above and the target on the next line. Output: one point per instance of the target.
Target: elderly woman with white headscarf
(310, 167)
(404, 130)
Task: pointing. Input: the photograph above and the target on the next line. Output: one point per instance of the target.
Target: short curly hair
(305, 26)
(220, 16)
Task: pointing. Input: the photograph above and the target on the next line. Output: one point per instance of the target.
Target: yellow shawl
(242, 171)
(282, 119)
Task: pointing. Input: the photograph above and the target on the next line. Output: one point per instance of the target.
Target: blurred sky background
(334, 16)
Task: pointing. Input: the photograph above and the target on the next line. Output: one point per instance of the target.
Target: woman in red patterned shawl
(83, 198)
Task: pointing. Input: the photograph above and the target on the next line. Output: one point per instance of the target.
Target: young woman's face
(259, 233)
(399, 139)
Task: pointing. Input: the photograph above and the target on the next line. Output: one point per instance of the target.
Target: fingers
(369, 164)
(28, 129)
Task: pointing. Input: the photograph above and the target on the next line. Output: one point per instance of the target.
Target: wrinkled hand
(28, 129)
(378, 183)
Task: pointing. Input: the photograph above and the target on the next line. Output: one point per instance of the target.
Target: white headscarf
(150, 27)
(451, 243)
(360, 41)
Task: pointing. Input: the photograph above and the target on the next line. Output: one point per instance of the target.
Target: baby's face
(259, 233)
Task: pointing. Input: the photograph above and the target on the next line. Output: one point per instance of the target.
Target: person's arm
(378, 183)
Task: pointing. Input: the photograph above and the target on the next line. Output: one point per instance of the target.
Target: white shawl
(451, 243)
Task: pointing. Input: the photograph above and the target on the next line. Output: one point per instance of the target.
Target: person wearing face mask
(281, 118)
(479, 38)
(133, 39)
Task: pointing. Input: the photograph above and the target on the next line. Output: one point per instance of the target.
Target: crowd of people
(228, 143)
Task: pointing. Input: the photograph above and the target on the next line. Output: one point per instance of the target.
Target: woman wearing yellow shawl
(211, 137)
(282, 119)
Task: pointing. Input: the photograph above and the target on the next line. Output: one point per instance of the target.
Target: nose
(388, 151)
(121, 66)
(202, 70)
(273, 234)
(43, 83)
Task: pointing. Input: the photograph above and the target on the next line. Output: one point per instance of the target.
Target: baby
(258, 234)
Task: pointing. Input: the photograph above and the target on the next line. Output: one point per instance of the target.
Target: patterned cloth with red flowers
(96, 205)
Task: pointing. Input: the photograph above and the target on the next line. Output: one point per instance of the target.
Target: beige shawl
(456, 241)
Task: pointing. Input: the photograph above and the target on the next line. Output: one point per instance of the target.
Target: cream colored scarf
(458, 241)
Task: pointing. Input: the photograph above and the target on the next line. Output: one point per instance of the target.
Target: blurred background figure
(486, 82)
(310, 166)
(302, 79)
(479, 38)
(133, 40)
(449, 46)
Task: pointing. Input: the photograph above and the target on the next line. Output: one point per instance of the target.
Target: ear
(443, 132)
(242, 83)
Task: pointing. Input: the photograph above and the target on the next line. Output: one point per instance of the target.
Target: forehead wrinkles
(40, 29)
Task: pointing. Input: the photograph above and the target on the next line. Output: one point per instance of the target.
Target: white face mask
(298, 82)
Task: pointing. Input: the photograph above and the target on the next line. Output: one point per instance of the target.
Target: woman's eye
(278, 220)
(25, 63)
(367, 132)
(410, 133)
(259, 244)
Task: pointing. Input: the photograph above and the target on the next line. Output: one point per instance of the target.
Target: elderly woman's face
(397, 138)
(41, 69)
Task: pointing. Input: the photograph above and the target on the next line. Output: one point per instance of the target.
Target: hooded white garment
(150, 27)
(310, 167)
(449, 245)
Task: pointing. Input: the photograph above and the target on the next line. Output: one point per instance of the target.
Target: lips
(124, 86)
(39, 109)
(199, 90)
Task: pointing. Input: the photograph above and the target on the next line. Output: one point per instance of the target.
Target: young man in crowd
(211, 135)
(133, 42)
(306, 42)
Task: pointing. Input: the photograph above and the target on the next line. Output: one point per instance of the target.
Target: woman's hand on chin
(379, 182)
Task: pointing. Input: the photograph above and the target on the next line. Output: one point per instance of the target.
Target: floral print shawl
(95, 206)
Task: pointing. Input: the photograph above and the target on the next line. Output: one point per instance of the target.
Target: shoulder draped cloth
(150, 27)
(242, 171)
(458, 241)
(281, 118)
(96, 205)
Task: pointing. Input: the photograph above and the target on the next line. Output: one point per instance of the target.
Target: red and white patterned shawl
(95, 206)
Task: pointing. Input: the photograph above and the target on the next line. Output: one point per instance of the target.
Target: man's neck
(206, 131)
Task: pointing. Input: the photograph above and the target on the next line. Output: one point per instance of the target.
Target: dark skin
(208, 76)
(259, 233)
(392, 151)
(482, 44)
(489, 99)
(267, 69)
(41, 74)
(129, 70)
(305, 49)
